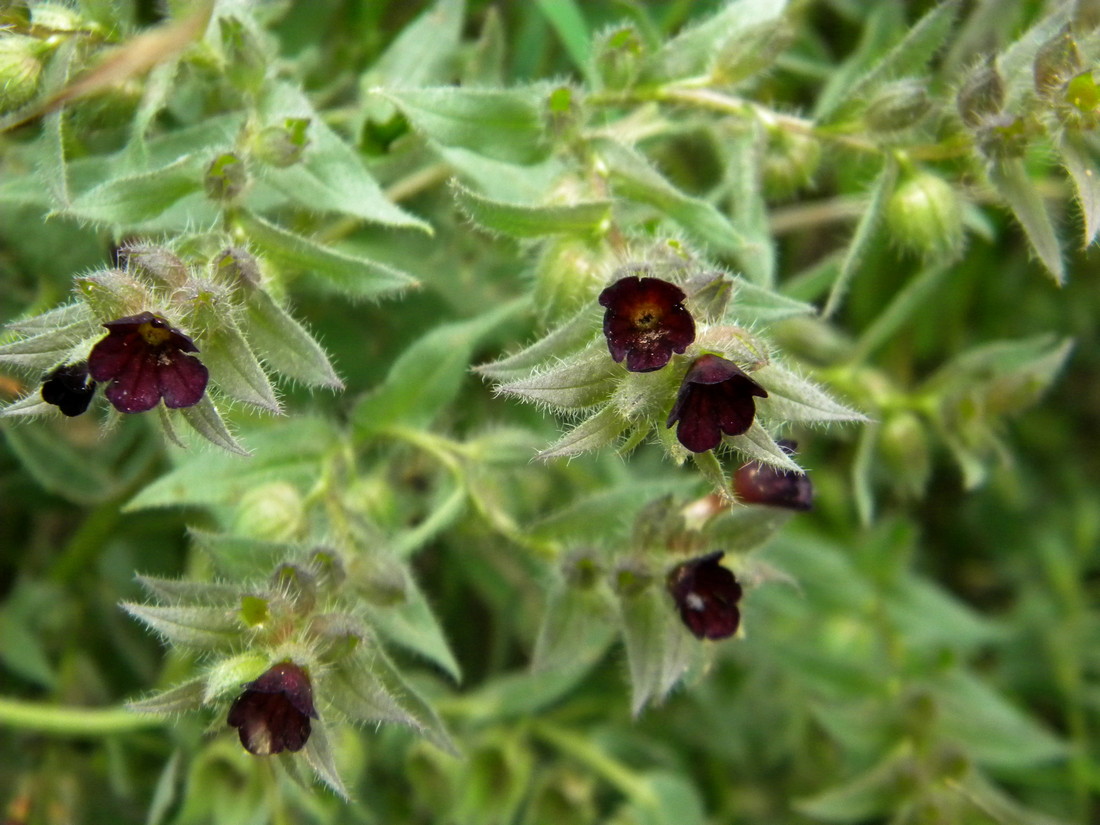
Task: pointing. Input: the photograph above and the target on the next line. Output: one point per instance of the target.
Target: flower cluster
(645, 323)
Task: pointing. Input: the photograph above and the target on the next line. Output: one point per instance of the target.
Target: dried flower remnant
(69, 388)
(273, 713)
(706, 594)
(145, 360)
(716, 397)
(758, 483)
(645, 322)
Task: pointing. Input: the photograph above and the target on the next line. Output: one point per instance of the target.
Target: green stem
(73, 721)
(584, 751)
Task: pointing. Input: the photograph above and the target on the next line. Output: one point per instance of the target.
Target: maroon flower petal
(182, 379)
(273, 713)
(135, 389)
(706, 594)
(645, 322)
(757, 483)
(715, 397)
(111, 356)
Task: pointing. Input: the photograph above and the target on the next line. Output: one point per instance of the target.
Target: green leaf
(632, 177)
(659, 649)
(47, 349)
(349, 274)
(216, 478)
(319, 755)
(202, 628)
(205, 419)
(752, 304)
(427, 376)
(868, 795)
(577, 628)
(675, 801)
(602, 515)
(1012, 182)
(58, 465)
(234, 368)
(735, 29)
(582, 381)
(757, 445)
(240, 558)
(523, 221)
(575, 333)
(179, 699)
(424, 50)
(568, 21)
(135, 199)
(286, 346)
(740, 529)
(865, 234)
(748, 211)
(330, 177)
(1081, 157)
(412, 625)
(791, 397)
(505, 124)
(909, 57)
(593, 433)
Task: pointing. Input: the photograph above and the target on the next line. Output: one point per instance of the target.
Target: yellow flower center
(155, 332)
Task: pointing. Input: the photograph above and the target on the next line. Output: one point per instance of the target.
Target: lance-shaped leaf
(792, 397)
(423, 51)
(505, 124)
(201, 628)
(239, 557)
(330, 177)
(753, 304)
(55, 462)
(526, 221)
(412, 625)
(1016, 62)
(748, 210)
(286, 346)
(1081, 156)
(576, 629)
(909, 57)
(741, 529)
(559, 343)
(205, 419)
(42, 351)
(633, 177)
(864, 797)
(366, 687)
(593, 433)
(581, 381)
(718, 44)
(658, 648)
(204, 594)
(29, 406)
(62, 316)
(428, 375)
(134, 199)
(1012, 182)
(865, 234)
(319, 754)
(757, 445)
(352, 275)
(179, 699)
(235, 369)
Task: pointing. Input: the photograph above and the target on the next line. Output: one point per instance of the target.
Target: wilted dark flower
(645, 322)
(706, 594)
(758, 483)
(69, 388)
(146, 360)
(273, 712)
(715, 397)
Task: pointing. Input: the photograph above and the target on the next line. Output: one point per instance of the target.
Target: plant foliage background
(417, 471)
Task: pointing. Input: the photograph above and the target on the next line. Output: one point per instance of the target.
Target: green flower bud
(205, 304)
(899, 105)
(282, 146)
(20, 69)
(1005, 136)
(245, 61)
(566, 276)
(237, 267)
(791, 160)
(1057, 61)
(581, 570)
(905, 450)
(58, 17)
(631, 577)
(113, 294)
(154, 264)
(1083, 94)
(226, 178)
(617, 53)
(925, 216)
(981, 95)
(298, 584)
(272, 511)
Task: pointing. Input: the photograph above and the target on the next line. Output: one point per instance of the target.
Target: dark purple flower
(715, 397)
(645, 322)
(706, 594)
(272, 714)
(758, 483)
(69, 388)
(145, 360)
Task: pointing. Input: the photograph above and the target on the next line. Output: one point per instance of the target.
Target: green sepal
(752, 304)
(579, 382)
(179, 699)
(597, 431)
(1080, 153)
(201, 628)
(285, 345)
(558, 343)
(196, 593)
(577, 627)
(234, 367)
(226, 677)
(658, 648)
(319, 755)
(758, 445)
(205, 419)
(1011, 180)
(792, 397)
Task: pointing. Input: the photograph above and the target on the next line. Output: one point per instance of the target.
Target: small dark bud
(1056, 63)
(715, 398)
(706, 594)
(645, 322)
(273, 713)
(982, 94)
(235, 266)
(69, 388)
(758, 483)
(226, 178)
(899, 105)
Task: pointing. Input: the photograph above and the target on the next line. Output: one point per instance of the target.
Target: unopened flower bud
(981, 95)
(581, 570)
(282, 146)
(905, 450)
(617, 54)
(237, 267)
(1057, 61)
(272, 511)
(245, 61)
(924, 215)
(631, 577)
(20, 69)
(898, 106)
(58, 17)
(298, 584)
(226, 178)
(111, 294)
(154, 264)
(791, 160)
(565, 277)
